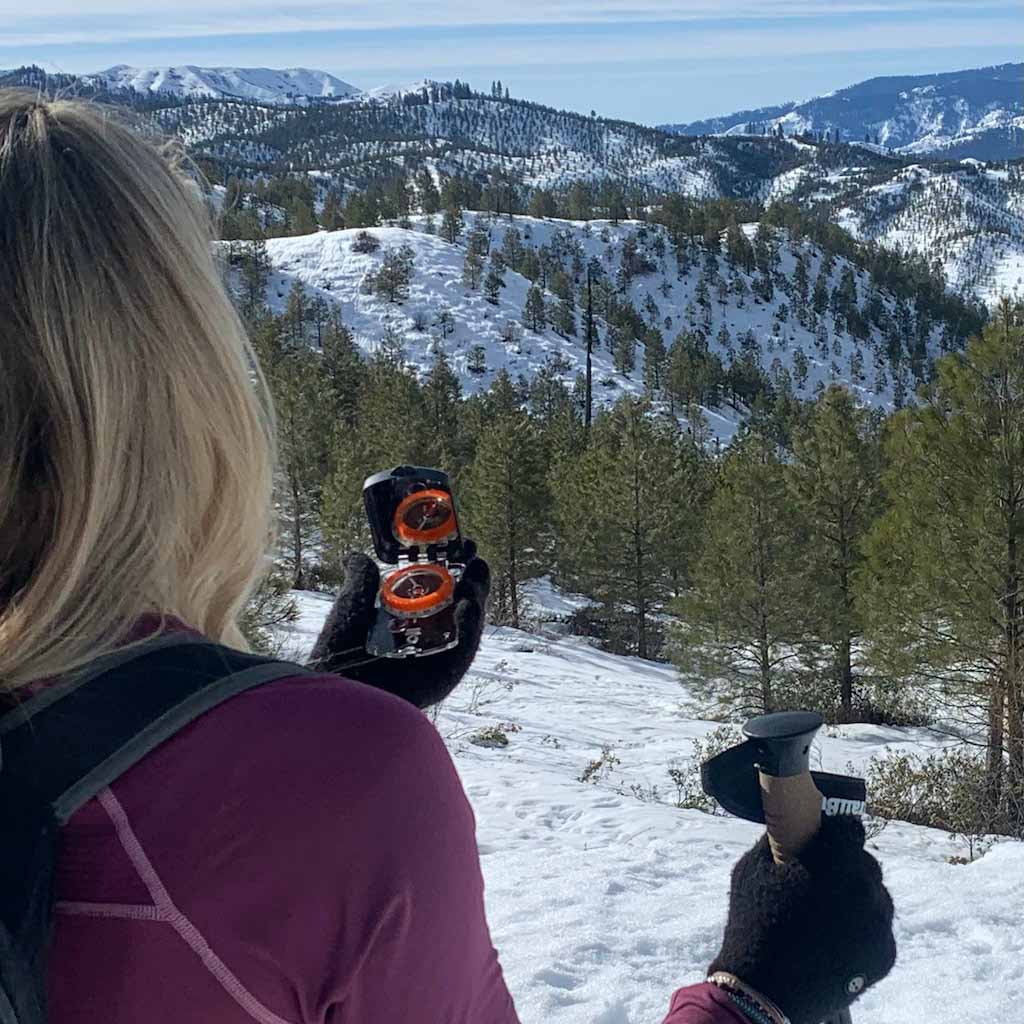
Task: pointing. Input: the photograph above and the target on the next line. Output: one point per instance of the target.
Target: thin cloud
(666, 49)
(62, 22)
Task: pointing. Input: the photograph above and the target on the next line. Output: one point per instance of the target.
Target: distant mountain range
(262, 85)
(964, 216)
(977, 113)
(189, 82)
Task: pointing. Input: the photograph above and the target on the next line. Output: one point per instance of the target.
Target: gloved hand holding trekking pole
(810, 921)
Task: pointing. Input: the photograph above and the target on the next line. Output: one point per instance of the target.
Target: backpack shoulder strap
(76, 737)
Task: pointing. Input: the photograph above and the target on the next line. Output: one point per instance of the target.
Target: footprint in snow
(556, 979)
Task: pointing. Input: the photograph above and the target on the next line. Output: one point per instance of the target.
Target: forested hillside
(369, 158)
(707, 315)
(977, 113)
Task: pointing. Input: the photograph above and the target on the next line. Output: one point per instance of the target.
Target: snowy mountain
(261, 85)
(603, 896)
(969, 219)
(462, 133)
(976, 113)
(673, 291)
(965, 216)
(348, 146)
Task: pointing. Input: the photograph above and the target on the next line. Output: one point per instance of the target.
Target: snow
(948, 111)
(263, 85)
(327, 265)
(603, 900)
(388, 92)
(328, 268)
(971, 220)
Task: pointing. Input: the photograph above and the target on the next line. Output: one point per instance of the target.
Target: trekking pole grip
(792, 802)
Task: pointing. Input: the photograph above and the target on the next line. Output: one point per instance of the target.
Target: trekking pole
(768, 779)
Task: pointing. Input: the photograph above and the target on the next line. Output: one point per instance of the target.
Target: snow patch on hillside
(603, 900)
(291, 85)
(978, 112)
(329, 268)
(970, 220)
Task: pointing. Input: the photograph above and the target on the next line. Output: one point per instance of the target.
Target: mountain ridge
(190, 81)
(964, 216)
(803, 316)
(974, 112)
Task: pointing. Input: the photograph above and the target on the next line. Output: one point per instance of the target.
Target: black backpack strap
(75, 738)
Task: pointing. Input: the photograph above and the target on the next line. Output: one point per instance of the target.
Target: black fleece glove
(341, 646)
(813, 934)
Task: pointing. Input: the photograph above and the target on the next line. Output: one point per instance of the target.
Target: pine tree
(695, 375)
(476, 361)
(625, 515)
(300, 390)
(820, 299)
(319, 315)
(738, 249)
(452, 224)
(565, 319)
(296, 314)
(429, 197)
(344, 371)
(444, 321)
(332, 217)
(534, 313)
(655, 361)
(392, 278)
(801, 283)
(255, 273)
(472, 269)
(479, 241)
(589, 340)
(742, 618)
(442, 401)
(557, 413)
(512, 249)
(505, 507)
(835, 474)
(623, 350)
(388, 431)
(801, 367)
(495, 279)
(301, 218)
(946, 562)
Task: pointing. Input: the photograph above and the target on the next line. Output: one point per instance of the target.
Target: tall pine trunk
(846, 676)
(641, 602)
(511, 533)
(994, 768)
(588, 412)
(767, 699)
(845, 660)
(1014, 734)
(299, 575)
(1012, 608)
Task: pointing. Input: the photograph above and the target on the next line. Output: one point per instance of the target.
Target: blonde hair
(136, 438)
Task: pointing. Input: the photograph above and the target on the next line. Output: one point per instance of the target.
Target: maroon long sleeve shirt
(302, 854)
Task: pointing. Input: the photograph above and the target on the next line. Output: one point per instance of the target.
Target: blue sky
(646, 60)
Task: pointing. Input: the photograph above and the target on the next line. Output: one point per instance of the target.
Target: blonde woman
(302, 852)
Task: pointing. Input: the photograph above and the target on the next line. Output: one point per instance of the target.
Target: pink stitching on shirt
(123, 911)
(170, 913)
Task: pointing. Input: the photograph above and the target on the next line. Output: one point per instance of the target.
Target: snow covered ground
(330, 268)
(602, 901)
